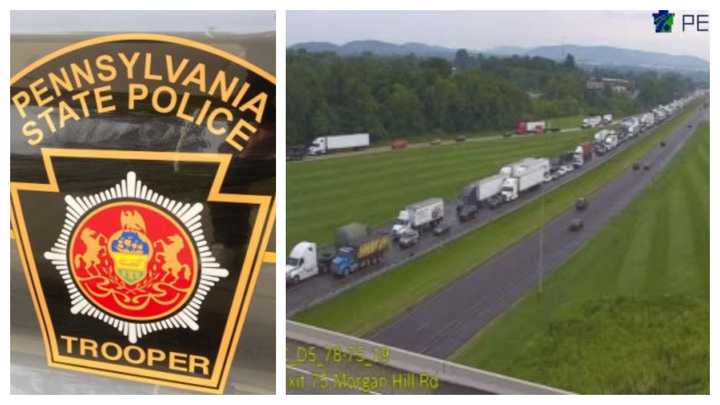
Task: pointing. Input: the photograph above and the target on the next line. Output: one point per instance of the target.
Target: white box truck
(524, 175)
(336, 143)
(419, 216)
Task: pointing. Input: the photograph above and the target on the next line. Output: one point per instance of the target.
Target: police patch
(142, 192)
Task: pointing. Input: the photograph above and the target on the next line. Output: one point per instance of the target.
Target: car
(636, 166)
(460, 138)
(662, 144)
(436, 142)
(581, 204)
(576, 225)
(646, 167)
(441, 229)
(561, 171)
(408, 238)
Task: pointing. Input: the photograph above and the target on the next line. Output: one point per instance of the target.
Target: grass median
(372, 188)
(629, 312)
(369, 305)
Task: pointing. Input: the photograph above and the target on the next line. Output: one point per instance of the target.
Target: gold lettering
(136, 91)
(56, 82)
(105, 65)
(149, 75)
(129, 63)
(38, 88)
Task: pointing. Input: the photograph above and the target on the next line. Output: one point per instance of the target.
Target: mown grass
(629, 313)
(572, 121)
(325, 194)
(371, 304)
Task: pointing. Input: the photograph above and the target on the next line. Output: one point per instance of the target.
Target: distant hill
(378, 48)
(609, 56)
(584, 55)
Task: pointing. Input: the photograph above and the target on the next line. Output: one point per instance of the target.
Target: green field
(629, 313)
(367, 306)
(572, 121)
(325, 194)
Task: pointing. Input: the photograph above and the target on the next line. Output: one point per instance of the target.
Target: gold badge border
(255, 254)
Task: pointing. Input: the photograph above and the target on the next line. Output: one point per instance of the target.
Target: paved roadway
(324, 286)
(425, 144)
(443, 322)
(324, 376)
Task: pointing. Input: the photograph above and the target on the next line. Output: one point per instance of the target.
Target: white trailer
(647, 120)
(326, 144)
(488, 187)
(524, 175)
(419, 216)
(591, 122)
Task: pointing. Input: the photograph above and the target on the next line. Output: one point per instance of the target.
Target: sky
(478, 30)
(51, 22)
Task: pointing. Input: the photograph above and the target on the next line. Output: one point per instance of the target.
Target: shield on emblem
(130, 252)
(130, 248)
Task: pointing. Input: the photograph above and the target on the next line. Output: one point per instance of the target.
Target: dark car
(408, 238)
(581, 204)
(576, 225)
(636, 166)
(662, 144)
(441, 230)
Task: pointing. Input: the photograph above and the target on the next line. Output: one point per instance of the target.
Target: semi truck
(659, 114)
(477, 193)
(591, 122)
(611, 142)
(583, 154)
(336, 143)
(535, 127)
(302, 262)
(647, 120)
(419, 216)
(357, 248)
(524, 175)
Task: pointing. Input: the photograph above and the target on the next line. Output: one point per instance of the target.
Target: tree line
(406, 96)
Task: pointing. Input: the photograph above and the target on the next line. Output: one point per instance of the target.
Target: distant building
(533, 94)
(618, 86)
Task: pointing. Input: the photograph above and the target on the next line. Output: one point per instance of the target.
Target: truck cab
(509, 189)
(402, 223)
(344, 262)
(317, 147)
(301, 263)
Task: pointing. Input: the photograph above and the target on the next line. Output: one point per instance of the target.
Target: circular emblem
(133, 260)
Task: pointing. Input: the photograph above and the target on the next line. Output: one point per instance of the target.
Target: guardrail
(418, 363)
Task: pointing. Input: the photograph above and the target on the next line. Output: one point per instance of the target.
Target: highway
(443, 322)
(428, 144)
(324, 286)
